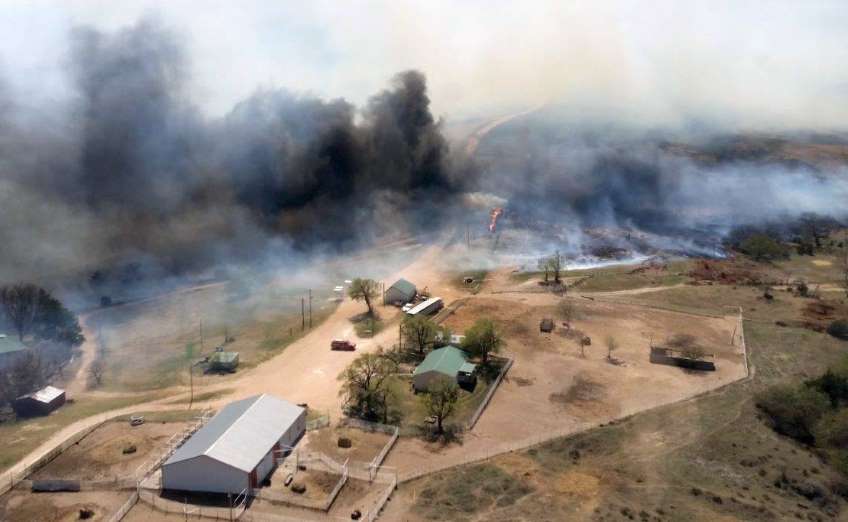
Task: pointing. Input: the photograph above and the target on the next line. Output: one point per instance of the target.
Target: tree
(364, 290)
(482, 339)
(845, 263)
(584, 342)
(32, 310)
(794, 410)
(365, 387)
(557, 262)
(612, 345)
(20, 303)
(25, 375)
(440, 400)
(763, 248)
(95, 373)
(419, 332)
(544, 265)
(839, 329)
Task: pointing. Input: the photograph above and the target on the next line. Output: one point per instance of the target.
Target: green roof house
(449, 361)
(401, 292)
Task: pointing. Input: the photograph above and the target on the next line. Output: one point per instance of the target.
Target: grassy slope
(707, 459)
(614, 278)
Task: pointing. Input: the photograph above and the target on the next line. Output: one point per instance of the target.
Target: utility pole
(310, 308)
(302, 316)
(201, 336)
(190, 384)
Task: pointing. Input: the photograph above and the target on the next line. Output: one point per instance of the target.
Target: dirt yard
(552, 388)
(100, 455)
(25, 506)
(365, 445)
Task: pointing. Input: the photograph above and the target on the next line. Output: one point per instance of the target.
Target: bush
(839, 329)
(298, 487)
(832, 429)
(794, 411)
(763, 248)
(345, 442)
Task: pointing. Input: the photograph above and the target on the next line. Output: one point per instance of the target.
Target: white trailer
(428, 307)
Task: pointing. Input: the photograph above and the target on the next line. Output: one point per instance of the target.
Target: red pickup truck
(344, 346)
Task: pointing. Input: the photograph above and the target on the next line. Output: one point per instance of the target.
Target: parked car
(342, 345)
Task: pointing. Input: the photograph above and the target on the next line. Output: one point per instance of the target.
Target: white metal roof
(423, 306)
(242, 433)
(46, 394)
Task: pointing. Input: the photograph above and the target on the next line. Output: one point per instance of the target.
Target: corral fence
(11, 479)
(491, 392)
(541, 438)
(128, 505)
(317, 462)
(373, 467)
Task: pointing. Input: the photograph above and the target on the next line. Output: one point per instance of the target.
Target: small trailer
(428, 307)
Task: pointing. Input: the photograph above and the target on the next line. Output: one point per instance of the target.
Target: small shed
(401, 292)
(449, 361)
(237, 449)
(224, 361)
(40, 402)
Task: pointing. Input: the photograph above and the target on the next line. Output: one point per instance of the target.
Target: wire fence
(492, 388)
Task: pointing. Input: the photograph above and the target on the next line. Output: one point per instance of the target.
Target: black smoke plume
(132, 178)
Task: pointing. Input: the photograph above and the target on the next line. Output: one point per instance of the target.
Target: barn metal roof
(404, 287)
(242, 433)
(46, 394)
(447, 360)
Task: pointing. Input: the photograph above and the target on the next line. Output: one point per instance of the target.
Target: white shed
(234, 451)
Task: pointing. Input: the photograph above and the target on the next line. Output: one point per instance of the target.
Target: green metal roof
(404, 287)
(468, 368)
(10, 343)
(447, 360)
(224, 357)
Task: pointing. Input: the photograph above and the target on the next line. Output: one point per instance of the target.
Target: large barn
(234, 451)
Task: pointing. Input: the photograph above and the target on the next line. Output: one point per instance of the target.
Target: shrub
(763, 248)
(834, 384)
(839, 329)
(793, 410)
(832, 429)
(298, 487)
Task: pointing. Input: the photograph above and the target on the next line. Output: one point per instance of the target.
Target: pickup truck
(344, 346)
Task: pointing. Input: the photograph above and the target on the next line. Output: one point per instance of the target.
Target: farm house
(401, 292)
(449, 361)
(235, 450)
(40, 402)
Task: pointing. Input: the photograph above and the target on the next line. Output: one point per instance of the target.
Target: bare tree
(20, 302)
(557, 266)
(95, 373)
(845, 263)
(440, 400)
(419, 332)
(364, 290)
(544, 265)
(612, 345)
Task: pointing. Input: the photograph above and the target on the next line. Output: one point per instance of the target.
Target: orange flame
(495, 214)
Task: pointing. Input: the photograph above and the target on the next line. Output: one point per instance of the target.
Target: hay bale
(298, 487)
(345, 442)
(129, 449)
(86, 513)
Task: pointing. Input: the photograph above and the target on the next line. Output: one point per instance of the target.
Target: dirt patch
(24, 506)
(100, 455)
(365, 445)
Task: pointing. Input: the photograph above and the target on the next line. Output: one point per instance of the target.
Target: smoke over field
(621, 191)
(131, 172)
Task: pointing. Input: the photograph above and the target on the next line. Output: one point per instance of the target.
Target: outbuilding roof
(447, 360)
(46, 395)
(404, 287)
(242, 433)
